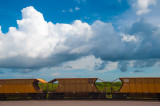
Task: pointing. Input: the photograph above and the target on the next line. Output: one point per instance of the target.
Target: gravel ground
(78, 103)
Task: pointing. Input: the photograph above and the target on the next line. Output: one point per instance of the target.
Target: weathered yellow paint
(41, 80)
(157, 85)
(18, 85)
(132, 85)
(140, 85)
(76, 85)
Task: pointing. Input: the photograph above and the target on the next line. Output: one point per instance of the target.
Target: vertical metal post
(42, 87)
(52, 86)
(105, 85)
(47, 87)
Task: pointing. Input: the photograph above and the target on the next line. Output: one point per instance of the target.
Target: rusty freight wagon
(76, 87)
(21, 88)
(135, 87)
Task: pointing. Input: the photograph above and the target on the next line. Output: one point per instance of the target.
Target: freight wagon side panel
(1, 87)
(140, 85)
(73, 84)
(158, 85)
(29, 86)
(145, 84)
(12, 87)
(17, 86)
(6, 87)
(67, 85)
(17, 89)
(76, 85)
(152, 86)
(92, 88)
(133, 86)
(126, 85)
(84, 84)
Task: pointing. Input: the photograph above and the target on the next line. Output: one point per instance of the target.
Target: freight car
(138, 87)
(21, 88)
(76, 87)
(134, 87)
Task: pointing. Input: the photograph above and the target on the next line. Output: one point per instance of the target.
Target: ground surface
(79, 103)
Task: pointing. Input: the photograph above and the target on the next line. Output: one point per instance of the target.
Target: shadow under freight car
(79, 99)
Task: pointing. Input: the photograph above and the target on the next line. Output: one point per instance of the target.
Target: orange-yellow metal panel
(90, 89)
(41, 80)
(66, 87)
(126, 86)
(78, 81)
(157, 85)
(1, 88)
(152, 87)
(145, 84)
(76, 85)
(73, 86)
(139, 85)
(32, 90)
(61, 86)
(133, 86)
(6, 88)
(17, 88)
(83, 87)
(18, 85)
(12, 88)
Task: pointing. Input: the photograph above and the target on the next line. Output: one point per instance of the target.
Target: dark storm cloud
(100, 66)
(145, 63)
(123, 66)
(148, 45)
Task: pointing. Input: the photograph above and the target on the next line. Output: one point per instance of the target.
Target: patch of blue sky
(58, 11)
(48, 74)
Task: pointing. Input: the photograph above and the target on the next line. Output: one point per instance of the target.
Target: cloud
(55, 74)
(1, 72)
(63, 11)
(23, 70)
(80, 1)
(137, 71)
(37, 43)
(100, 66)
(71, 10)
(68, 66)
(119, 1)
(86, 62)
(77, 8)
(145, 63)
(123, 66)
(142, 6)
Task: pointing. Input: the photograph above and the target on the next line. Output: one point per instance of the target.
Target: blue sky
(59, 11)
(79, 38)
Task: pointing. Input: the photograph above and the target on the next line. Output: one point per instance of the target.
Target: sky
(107, 39)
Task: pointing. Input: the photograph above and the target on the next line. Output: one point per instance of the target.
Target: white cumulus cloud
(37, 43)
(143, 6)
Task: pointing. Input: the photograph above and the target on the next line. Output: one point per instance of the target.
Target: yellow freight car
(76, 87)
(139, 87)
(21, 88)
